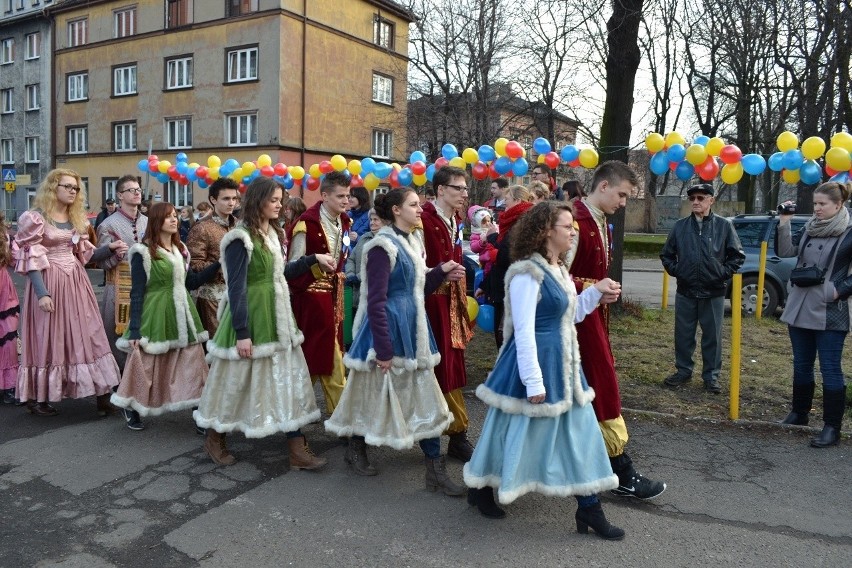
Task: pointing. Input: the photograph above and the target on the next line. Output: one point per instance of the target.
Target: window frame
(28, 158)
(178, 23)
(251, 124)
(82, 128)
(116, 69)
(236, 51)
(32, 48)
(7, 51)
(83, 76)
(76, 28)
(7, 151)
(172, 191)
(34, 87)
(133, 135)
(188, 63)
(187, 132)
(117, 23)
(380, 24)
(232, 11)
(374, 146)
(389, 79)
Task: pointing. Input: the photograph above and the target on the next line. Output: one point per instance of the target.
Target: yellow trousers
(615, 435)
(332, 385)
(455, 400)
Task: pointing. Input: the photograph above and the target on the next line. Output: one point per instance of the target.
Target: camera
(787, 208)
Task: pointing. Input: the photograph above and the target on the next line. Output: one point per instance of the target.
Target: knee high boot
(833, 404)
(803, 397)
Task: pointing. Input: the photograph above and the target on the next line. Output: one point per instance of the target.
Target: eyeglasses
(697, 197)
(68, 187)
(131, 190)
(457, 187)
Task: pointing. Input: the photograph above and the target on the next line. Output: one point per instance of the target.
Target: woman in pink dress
(65, 352)
(8, 321)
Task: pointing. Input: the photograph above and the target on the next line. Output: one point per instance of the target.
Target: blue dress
(554, 448)
(404, 405)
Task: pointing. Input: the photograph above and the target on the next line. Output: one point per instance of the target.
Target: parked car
(752, 230)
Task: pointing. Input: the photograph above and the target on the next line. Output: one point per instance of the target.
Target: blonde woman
(539, 192)
(65, 352)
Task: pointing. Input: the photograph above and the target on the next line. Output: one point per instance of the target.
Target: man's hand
(326, 263)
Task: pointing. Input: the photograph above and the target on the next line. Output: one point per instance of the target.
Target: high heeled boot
(833, 404)
(803, 397)
(483, 499)
(594, 517)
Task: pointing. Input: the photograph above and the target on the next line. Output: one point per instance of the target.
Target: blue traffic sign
(9, 175)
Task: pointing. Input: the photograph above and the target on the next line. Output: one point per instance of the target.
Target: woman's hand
(785, 217)
(244, 348)
(537, 399)
(46, 304)
(118, 248)
(453, 271)
(326, 263)
(383, 365)
(610, 289)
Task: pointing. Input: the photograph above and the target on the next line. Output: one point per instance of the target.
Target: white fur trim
(512, 405)
(371, 439)
(249, 432)
(143, 410)
(387, 239)
(506, 497)
(285, 324)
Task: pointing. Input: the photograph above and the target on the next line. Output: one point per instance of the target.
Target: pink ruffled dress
(9, 315)
(64, 354)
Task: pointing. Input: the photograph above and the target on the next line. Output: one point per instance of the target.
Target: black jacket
(703, 258)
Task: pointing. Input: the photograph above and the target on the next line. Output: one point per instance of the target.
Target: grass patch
(643, 244)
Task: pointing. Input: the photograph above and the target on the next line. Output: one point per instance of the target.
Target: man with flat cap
(703, 252)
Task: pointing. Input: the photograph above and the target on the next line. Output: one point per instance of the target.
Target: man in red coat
(447, 308)
(589, 261)
(317, 295)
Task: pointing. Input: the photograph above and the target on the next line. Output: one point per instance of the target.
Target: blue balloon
(416, 156)
(703, 140)
(810, 172)
(161, 177)
(676, 153)
(541, 146)
(404, 177)
(232, 164)
(776, 162)
(202, 184)
(190, 175)
(753, 164)
(382, 170)
(430, 172)
(182, 157)
(485, 318)
(478, 276)
(486, 153)
(367, 166)
(659, 163)
(288, 182)
(793, 159)
(503, 165)
(449, 151)
(142, 165)
(684, 171)
(569, 153)
(840, 177)
(182, 168)
(520, 167)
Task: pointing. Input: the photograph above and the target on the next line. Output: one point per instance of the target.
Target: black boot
(483, 499)
(833, 404)
(594, 517)
(460, 447)
(803, 397)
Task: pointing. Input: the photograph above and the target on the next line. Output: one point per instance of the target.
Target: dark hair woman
(359, 213)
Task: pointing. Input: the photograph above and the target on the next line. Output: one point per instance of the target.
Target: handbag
(806, 276)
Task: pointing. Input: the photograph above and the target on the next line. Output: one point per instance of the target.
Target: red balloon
(708, 169)
(418, 168)
(326, 167)
(356, 181)
(280, 169)
(313, 183)
(494, 174)
(441, 162)
(574, 163)
(730, 154)
(479, 171)
(242, 188)
(551, 159)
(172, 171)
(514, 150)
(673, 165)
(830, 171)
(267, 171)
(209, 181)
(153, 157)
(182, 180)
(394, 179)
(153, 166)
(201, 172)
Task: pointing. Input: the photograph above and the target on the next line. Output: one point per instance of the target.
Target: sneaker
(713, 386)
(640, 487)
(131, 417)
(676, 380)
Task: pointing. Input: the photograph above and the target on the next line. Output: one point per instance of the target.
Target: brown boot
(301, 456)
(356, 457)
(104, 406)
(214, 445)
(437, 478)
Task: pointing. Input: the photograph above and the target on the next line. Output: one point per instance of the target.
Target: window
(124, 137)
(125, 22)
(6, 155)
(178, 13)
(33, 97)
(382, 89)
(78, 87)
(78, 139)
(242, 129)
(242, 65)
(382, 32)
(382, 143)
(8, 4)
(33, 46)
(7, 100)
(178, 133)
(109, 189)
(7, 51)
(20, 4)
(179, 73)
(240, 7)
(124, 80)
(176, 194)
(31, 150)
(78, 32)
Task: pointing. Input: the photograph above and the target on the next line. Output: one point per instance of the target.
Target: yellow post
(761, 280)
(736, 341)
(665, 303)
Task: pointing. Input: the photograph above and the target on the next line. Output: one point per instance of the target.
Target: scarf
(510, 216)
(833, 227)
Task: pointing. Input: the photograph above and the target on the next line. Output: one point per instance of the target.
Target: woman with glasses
(65, 352)
(540, 432)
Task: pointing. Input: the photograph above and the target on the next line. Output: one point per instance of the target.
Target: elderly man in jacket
(702, 252)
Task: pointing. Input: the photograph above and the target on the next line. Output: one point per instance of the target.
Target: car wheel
(749, 298)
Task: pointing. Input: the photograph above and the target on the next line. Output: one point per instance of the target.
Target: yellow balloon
(396, 166)
(791, 176)
(673, 138)
(842, 140)
(314, 171)
(297, 172)
(813, 148)
(588, 158)
(655, 142)
(837, 159)
(248, 168)
(354, 167)
(458, 162)
(264, 160)
(194, 166)
(420, 179)
(787, 141)
(213, 173)
(732, 173)
(714, 146)
(540, 159)
(696, 154)
(237, 174)
(472, 308)
(500, 146)
(371, 182)
(214, 162)
(163, 166)
(338, 162)
(470, 155)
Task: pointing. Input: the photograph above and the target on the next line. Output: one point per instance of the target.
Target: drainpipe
(304, 89)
